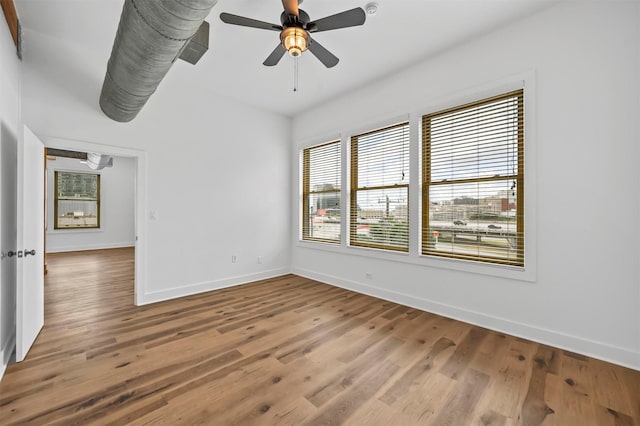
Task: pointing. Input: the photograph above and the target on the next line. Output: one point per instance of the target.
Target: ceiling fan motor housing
(290, 20)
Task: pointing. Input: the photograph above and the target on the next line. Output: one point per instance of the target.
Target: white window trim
(75, 231)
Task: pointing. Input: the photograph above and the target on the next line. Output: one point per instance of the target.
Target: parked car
(459, 222)
(492, 226)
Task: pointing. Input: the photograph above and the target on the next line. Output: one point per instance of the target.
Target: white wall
(10, 130)
(218, 193)
(219, 186)
(584, 293)
(117, 207)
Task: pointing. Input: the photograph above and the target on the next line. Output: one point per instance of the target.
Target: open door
(30, 250)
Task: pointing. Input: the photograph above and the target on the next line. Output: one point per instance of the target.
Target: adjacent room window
(77, 200)
(473, 181)
(380, 189)
(321, 193)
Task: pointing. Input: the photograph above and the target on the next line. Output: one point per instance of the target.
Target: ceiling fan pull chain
(295, 73)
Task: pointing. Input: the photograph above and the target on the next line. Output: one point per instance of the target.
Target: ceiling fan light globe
(295, 40)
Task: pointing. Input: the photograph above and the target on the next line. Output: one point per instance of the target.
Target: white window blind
(380, 188)
(473, 181)
(76, 200)
(321, 193)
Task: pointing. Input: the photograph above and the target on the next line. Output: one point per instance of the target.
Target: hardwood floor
(287, 351)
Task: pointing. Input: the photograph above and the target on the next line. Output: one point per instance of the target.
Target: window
(77, 200)
(380, 189)
(321, 193)
(473, 181)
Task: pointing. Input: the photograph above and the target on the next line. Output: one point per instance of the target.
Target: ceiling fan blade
(327, 58)
(290, 7)
(275, 56)
(348, 18)
(228, 18)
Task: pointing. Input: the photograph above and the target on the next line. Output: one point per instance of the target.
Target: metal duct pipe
(98, 161)
(150, 37)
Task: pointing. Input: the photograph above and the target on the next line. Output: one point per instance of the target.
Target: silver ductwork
(197, 46)
(150, 37)
(98, 161)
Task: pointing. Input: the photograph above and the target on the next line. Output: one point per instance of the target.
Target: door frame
(140, 203)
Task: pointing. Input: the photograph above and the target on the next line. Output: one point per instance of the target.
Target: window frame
(413, 111)
(519, 177)
(354, 189)
(307, 192)
(57, 199)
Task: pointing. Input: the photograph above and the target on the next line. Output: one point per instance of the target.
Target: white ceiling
(403, 32)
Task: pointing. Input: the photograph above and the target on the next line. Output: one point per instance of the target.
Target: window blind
(380, 188)
(76, 200)
(473, 181)
(321, 193)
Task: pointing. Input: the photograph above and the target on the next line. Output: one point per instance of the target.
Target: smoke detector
(371, 8)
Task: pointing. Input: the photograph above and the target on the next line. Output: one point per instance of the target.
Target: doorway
(25, 300)
(90, 205)
(137, 160)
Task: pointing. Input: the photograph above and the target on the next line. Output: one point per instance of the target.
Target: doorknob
(29, 252)
(11, 253)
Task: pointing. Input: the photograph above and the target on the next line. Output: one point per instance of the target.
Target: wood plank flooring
(287, 351)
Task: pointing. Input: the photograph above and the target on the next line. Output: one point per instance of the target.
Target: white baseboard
(614, 354)
(7, 350)
(89, 247)
(173, 293)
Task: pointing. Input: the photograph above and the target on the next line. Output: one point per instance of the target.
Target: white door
(8, 235)
(30, 262)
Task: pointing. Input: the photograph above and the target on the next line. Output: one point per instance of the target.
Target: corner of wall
(6, 353)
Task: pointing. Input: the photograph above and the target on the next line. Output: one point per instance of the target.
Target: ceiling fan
(296, 28)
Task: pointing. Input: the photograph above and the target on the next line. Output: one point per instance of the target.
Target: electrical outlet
(234, 259)
(368, 275)
(260, 259)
